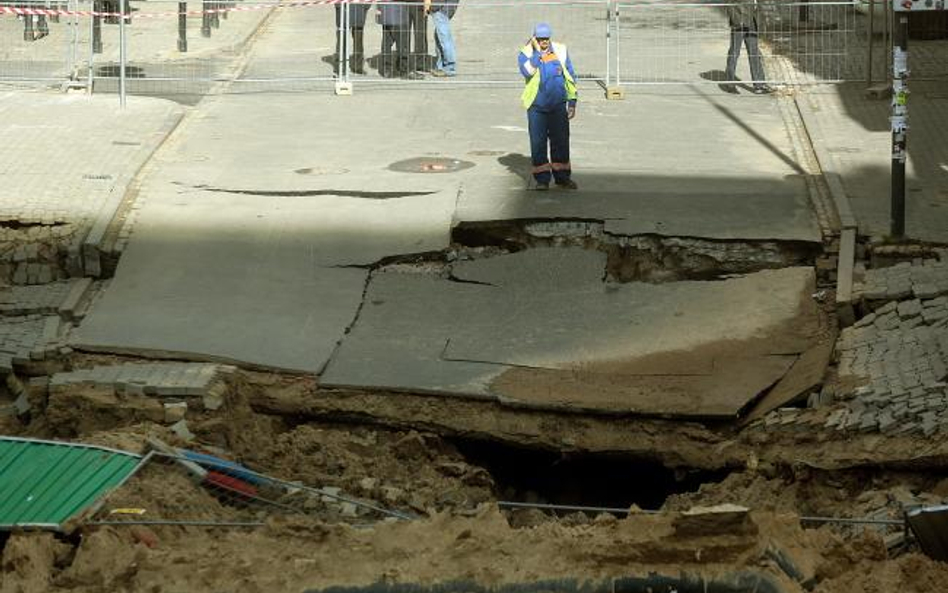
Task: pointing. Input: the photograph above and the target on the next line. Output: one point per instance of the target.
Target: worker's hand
(535, 43)
(571, 111)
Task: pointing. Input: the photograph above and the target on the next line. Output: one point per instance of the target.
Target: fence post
(123, 5)
(618, 21)
(90, 75)
(183, 27)
(608, 44)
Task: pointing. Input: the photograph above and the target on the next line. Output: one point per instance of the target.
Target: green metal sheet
(45, 483)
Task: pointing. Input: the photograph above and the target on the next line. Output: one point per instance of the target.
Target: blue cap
(542, 30)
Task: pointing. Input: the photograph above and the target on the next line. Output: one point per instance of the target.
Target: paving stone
(910, 308)
(161, 379)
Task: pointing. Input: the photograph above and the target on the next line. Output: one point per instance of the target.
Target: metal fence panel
(675, 42)
(187, 48)
(39, 47)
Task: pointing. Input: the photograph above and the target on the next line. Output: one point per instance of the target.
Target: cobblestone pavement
(65, 161)
(855, 131)
(893, 362)
(161, 379)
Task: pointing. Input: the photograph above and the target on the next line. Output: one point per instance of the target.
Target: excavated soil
(287, 428)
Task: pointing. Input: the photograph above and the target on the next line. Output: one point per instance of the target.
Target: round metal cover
(429, 164)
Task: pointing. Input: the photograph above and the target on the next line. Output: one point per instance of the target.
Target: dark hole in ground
(606, 480)
(18, 225)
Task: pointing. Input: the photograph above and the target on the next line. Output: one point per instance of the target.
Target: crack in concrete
(343, 193)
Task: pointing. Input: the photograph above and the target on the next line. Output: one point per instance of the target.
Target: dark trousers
(394, 64)
(746, 36)
(549, 143)
(418, 23)
(357, 57)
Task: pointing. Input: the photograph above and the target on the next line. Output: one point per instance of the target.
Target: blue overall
(547, 118)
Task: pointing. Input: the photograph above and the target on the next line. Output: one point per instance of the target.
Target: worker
(549, 96)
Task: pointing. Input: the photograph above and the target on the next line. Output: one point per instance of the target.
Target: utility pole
(900, 74)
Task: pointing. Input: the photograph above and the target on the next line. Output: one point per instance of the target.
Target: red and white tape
(244, 8)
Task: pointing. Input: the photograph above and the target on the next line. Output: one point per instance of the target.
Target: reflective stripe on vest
(532, 87)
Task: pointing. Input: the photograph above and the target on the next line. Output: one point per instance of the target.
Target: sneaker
(567, 184)
(413, 76)
(543, 186)
(728, 88)
(762, 89)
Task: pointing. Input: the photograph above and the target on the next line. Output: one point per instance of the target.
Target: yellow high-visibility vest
(532, 87)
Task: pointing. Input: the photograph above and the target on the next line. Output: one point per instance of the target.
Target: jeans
(748, 37)
(444, 42)
(549, 128)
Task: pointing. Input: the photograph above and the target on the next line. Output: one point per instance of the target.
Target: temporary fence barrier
(189, 47)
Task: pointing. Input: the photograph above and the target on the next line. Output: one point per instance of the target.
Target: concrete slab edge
(827, 165)
(848, 223)
(92, 243)
(181, 356)
(517, 404)
(77, 293)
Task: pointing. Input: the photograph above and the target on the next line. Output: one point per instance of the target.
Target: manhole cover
(430, 165)
(321, 171)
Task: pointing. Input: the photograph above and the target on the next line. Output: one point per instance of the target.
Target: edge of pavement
(848, 223)
(87, 251)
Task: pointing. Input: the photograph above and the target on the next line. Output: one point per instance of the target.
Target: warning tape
(297, 4)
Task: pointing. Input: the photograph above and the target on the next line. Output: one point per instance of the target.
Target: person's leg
(753, 55)
(733, 53)
(445, 43)
(537, 125)
(387, 64)
(419, 24)
(401, 51)
(357, 60)
(559, 145)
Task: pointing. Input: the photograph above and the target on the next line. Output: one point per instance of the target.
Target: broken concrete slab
(617, 323)
(233, 290)
(401, 333)
(512, 329)
(713, 208)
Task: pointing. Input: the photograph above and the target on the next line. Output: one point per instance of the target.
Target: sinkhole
(597, 480)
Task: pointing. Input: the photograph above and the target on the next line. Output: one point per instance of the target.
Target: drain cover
(430, 165)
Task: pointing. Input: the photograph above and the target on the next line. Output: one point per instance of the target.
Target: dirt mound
(292, 554)
(913, 573)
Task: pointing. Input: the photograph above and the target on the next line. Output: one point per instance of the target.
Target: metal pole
(74, 46)
(870, 41)
(900, 74)
(90, 74)
(123, 4)
(344, 36)
(618, 50)
(887, 38)
(183, 27)
(608, 43)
